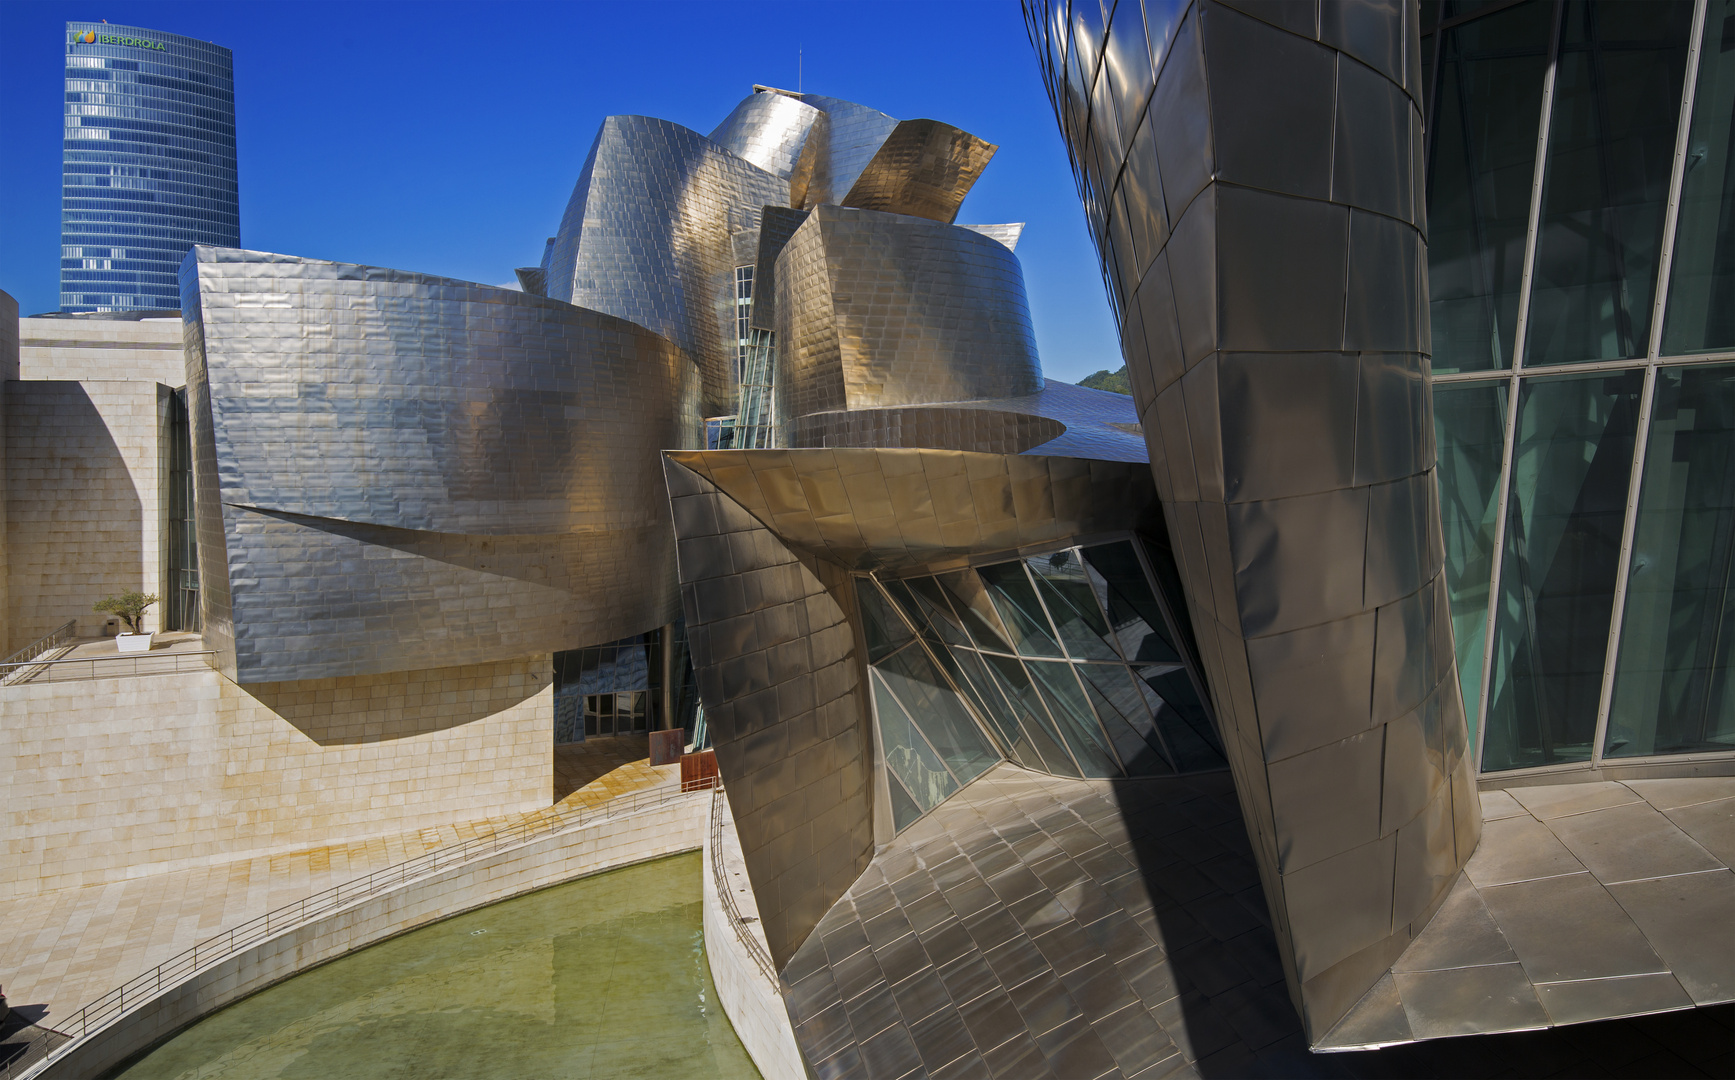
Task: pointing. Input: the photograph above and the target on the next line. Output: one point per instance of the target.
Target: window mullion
(1671, 212)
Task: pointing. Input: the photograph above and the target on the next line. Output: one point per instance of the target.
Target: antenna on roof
(798, 69)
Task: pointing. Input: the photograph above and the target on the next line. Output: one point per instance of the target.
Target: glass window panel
(936, 709)
(1019, 610)
(1070, 597)
(1611, 148)
(908, 755)
(1131, 606)
(925, 592)
(1672, 692)
(1701, 311)
(1123, 712)
(971, 602)
(884, 631)
(1010, 677)
(904, 809)
(1182, 721)
(1470, 430)
(1563, 535)
(1487, 109)
(1072, 714)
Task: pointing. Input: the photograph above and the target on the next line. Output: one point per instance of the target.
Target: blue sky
(445, 138)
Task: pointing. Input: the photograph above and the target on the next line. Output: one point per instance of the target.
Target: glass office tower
(148, 164)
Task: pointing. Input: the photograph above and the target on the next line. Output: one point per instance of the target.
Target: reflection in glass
(1131, 606)
(1611, 149)
(1184, 725)
(1122, 708)
(936, 710)
(1071, 598)
(908, 756)
(1010, 677)
(1470, 430)
(881, 628)
(1570, 468)
(1701, 307)
(1672, 691)
(1019, 611)
(970, 601)
(1072, 714)
(1487, 107)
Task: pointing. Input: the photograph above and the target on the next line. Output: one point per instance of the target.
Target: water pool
(602, 977)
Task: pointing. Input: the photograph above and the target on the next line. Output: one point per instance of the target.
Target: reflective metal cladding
(1253, 189)
(401, 471)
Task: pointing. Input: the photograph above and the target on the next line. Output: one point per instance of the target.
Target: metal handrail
(757, 951)
(104, 1012)
(54, 639)
(8, 668)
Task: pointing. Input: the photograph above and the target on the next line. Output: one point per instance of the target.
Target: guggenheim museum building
(1363, 678)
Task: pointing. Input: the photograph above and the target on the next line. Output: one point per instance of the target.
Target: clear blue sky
(446, 138)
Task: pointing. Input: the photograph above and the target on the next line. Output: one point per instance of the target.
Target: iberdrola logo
(88, 37)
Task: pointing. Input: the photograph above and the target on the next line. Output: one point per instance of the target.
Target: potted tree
(130, 606)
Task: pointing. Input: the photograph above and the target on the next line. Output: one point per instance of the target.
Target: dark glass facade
(1582, 213)
(148, 166)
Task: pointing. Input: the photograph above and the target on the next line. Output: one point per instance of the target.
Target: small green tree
(130, 606)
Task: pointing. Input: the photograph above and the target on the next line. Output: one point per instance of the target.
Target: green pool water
(601, 977)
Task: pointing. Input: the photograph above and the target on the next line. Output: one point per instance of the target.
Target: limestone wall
(147, 350)
(667, 830)
(83, 500)
(116, 778)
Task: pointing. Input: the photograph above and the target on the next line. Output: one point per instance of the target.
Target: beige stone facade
(108, 779)
(82, 428)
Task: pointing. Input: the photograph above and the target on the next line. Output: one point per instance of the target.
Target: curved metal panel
(648, 237)
(853, 135)
(398, 471)
(769, 130)
(879, 310)
(924, 168)
(882, 509)
(1272, 309)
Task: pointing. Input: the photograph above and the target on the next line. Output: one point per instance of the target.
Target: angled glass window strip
(1060, 691)
(1673, 689)
(904, 808)
(1014, 682)
(1611, 149)
(1488, 106)
(1182, 721)
(1132, 608)
(1470, 433)
(970, 601)
(935, 708)
(1069, 594)
(930, 613)
(884, 631)
(1701, 309)
(1571, 464)
(1020, 612)
(908, 756)
(1124, 714)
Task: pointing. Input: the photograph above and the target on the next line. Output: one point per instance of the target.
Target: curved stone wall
(397, 471)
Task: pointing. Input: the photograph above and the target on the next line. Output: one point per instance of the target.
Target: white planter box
(133, 642)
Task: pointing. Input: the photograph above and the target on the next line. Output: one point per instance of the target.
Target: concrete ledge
(753, 1002)
(665, 830)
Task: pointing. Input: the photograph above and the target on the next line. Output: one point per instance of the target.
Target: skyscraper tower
(148, 166)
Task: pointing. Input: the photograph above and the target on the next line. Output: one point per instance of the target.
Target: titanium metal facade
(1253, 191)
(396, 471)
(148, 167)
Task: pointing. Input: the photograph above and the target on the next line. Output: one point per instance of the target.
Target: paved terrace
(65, 948)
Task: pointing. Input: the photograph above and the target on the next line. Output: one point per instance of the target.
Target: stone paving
(65, 948)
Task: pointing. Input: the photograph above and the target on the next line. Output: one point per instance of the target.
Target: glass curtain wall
(1588, 514)
(181, 582)
(1065, 663)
